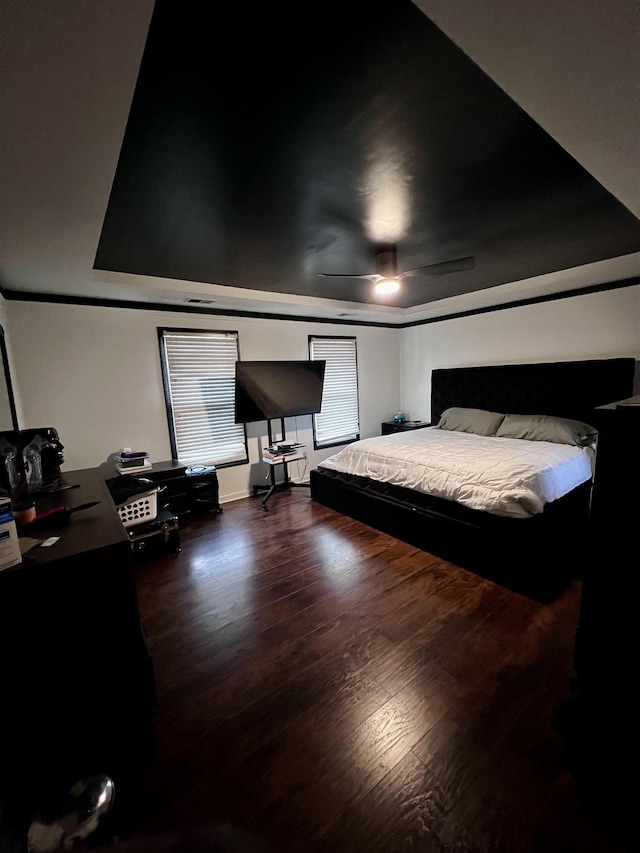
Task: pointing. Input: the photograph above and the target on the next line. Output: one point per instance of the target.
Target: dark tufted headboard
(567, 389)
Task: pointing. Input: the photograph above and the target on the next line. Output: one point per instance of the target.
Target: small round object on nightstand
(399, 417)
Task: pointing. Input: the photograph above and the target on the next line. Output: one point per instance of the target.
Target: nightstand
(389, 427)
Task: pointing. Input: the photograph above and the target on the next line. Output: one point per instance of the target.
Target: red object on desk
(61, 514)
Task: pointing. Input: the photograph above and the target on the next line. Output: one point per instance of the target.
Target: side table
(389, 427)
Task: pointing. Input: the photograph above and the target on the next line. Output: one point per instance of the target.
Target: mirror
(8, 415)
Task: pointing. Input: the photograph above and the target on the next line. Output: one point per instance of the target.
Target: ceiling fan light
(387, 285)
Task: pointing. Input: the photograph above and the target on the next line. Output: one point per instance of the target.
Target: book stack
(269, 456)
(130, 461)
(283, 452)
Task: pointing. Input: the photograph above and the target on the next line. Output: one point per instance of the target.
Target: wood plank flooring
(325, 687)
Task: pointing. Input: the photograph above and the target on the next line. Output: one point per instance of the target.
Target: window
(339, 420)
(199, 379)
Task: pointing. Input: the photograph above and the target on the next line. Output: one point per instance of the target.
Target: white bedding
(504, 476)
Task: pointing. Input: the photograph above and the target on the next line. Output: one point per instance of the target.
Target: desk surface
(90, 530)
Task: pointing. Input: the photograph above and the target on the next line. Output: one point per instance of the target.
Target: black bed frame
(536, 556)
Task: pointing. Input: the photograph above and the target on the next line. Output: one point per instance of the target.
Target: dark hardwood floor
(325, 687)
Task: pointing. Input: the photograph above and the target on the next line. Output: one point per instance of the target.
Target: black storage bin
(156, 538)
(202, 489)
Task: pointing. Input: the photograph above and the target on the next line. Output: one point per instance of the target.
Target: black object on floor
(156, 538)
(74, 819)
(203, 492)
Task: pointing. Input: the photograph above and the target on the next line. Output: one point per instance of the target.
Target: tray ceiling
(263, 151)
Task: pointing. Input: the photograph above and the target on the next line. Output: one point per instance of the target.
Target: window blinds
(200, 374)
(338, 421)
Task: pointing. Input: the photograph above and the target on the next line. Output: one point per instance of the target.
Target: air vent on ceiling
(201, 301)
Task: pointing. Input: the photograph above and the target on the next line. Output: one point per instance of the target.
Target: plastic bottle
(14, 470)
(33, 464)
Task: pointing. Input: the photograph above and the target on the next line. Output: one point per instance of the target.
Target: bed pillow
(547, 428)
(477, 421)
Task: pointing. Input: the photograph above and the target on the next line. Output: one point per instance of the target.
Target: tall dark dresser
(599, 719)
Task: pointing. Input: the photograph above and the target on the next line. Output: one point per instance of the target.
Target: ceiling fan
(387, 277)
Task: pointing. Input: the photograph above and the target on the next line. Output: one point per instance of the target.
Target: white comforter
(504, 476)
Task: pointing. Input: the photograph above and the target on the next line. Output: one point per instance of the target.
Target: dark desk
(96, 529)
(77, 680)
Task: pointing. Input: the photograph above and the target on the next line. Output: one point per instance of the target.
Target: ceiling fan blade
(371, 276)
(456, 265)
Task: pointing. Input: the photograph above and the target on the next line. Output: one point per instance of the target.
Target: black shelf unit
(274, 485)
(170, 475)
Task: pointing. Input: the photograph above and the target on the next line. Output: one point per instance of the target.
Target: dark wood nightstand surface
(389, 427)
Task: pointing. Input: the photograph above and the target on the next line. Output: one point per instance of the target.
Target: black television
(277, 389)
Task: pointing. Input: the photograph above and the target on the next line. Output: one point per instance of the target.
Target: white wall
(573, 66)
(94, 374)
(598, 325)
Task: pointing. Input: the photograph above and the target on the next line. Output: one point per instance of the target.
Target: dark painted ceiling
(265, 146)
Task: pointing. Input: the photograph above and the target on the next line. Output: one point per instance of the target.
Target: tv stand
(284, 460)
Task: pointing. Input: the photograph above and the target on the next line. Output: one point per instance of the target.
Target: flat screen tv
(277, 389)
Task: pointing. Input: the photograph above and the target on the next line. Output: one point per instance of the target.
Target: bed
(533, 540)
